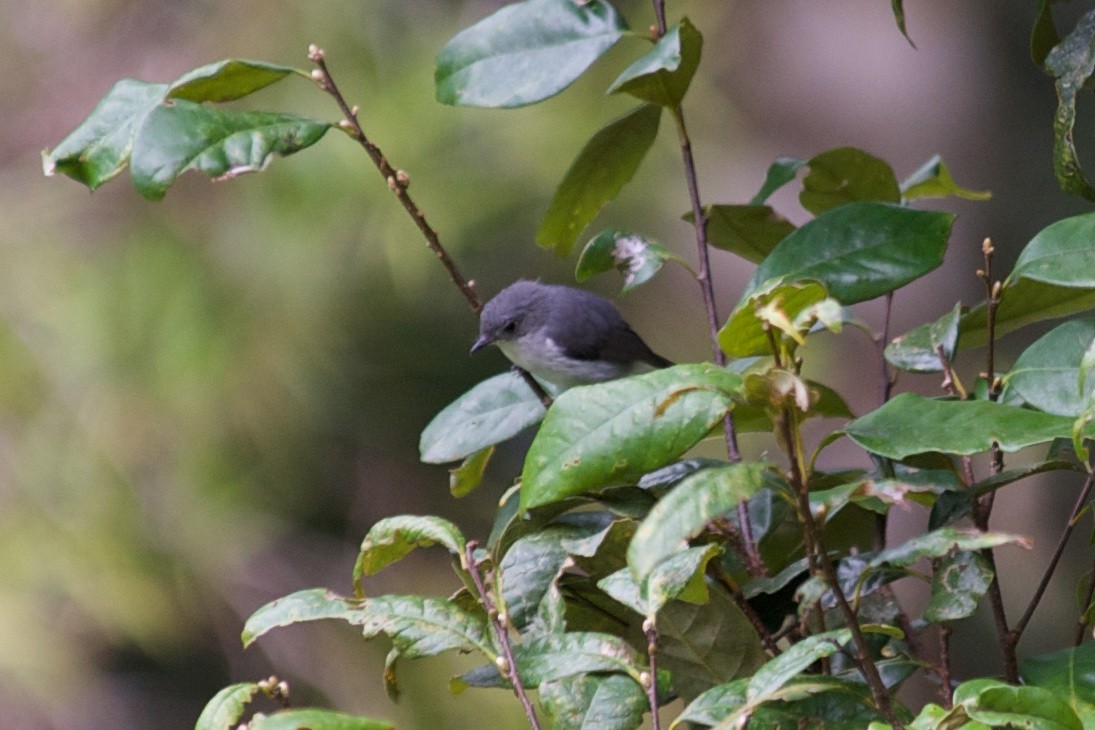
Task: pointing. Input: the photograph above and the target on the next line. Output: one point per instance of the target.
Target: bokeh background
(206, 402)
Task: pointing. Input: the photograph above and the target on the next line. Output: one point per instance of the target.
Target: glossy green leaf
(846, 175)
(917, 351)
(422, 626)
(226, 80)
(311, 719)
(898, 8)
(1061, 254)
(1002, 705)
(706, 644)
(493, 411)
(933, 180)
(525, 52)
(858, 251)
(100, 147)
(636, 257)
(746, 332)
(556, 656)
(221, 143)
(1043, 35)
(1071, 63)
(679, 576)
(1047, 374)
(780, 172)
(312, 604)
(594, 702)
(607, 162)
(957, 586)
(227, 707)
(393, 537)
(688, 508)
(601, 435)
(750, 231)
(1069, 674)
(663, 74)
(911, 424)
(466, 477)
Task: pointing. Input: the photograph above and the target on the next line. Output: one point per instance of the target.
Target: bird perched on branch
(563, 335)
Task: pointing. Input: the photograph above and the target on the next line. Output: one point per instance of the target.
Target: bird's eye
(510, 327)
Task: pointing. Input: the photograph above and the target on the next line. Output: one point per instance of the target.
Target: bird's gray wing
(596, 331)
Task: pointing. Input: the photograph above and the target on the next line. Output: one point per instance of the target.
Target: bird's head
(514, 312)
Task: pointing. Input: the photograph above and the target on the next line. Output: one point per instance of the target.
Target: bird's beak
(482, 342)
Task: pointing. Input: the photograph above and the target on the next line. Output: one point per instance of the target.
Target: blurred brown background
(204, 403)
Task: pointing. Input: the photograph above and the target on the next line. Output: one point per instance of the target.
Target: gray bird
(563, 335)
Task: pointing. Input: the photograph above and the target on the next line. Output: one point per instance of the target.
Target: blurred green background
(205, 403)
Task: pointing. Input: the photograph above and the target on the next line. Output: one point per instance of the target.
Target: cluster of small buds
(275, 688)
(399, 181)
(315, 53)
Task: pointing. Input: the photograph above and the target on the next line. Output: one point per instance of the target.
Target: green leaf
(221, 143)
(636, 257)
(493, 411)
(917, 351)
(226, 80)
(746, 332)
(858, 251)
(1071, 63)
(1043, 36)
(100, 147)
(393, 537)
(607, 162)
(778, 671)
(419, 626)
(1034, 708)
(834, 703)
(899, 15)
(780, 172)
(594, 702)
(706, 644)
(846, 175)
(611, 433)
(525, 52)
(933, 180)
(938, 543)
(1047, 374)
(750, 231)
(466, 477)
(556, 656)
(663, 74)
(1069, 674)
(227, 707)
(957, 586)
(312, 604)
(911, 424)
(678, 576)
(685, 511)
(311, 719)
(1059, 254)
(529, 568)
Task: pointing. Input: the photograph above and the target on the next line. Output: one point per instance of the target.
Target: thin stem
(651, 632)
(398, 181)
(888, 379)
(727, 582)
(944, 668)
(502, 632)
(1081, 622)
(1073, 519)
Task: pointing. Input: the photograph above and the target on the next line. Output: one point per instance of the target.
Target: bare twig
(398, 181)
(944, 668)
(651, 632)
(508, 667)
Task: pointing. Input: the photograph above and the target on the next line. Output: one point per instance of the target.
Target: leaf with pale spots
(636, 257)
(393, 537)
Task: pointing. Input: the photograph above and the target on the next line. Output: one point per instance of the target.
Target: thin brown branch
(944, 668)
(888, 377)
(726, 581)
(508, 667)
(651, 632)
(398, 181)
(1081, 622)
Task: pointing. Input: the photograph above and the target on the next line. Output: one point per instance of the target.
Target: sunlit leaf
(933, 180)
(525, 52)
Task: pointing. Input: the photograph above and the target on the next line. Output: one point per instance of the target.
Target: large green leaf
(607, 162)
(933, 180)
(227, 707)
(832, 703)
(525, 52)
(312, 719)
(611, 433)
(221, 143)
(529, 568)
(594, 702)
(636, 257)
(423, 626)
(1070, 675)
(493, 411)
(663, 74)
(1047, 374)
(780, 670)
(100, 147)
(688, 508)
(1001, 705)
(957, 586)
(1071, 62)
(226, 80)
(912, 424)
(555, 656)
(393, 537)
(1060, 254)
(680, 576)
(846, 175)
(312, 604)
(750, 231)
(858, 251)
